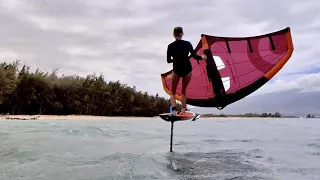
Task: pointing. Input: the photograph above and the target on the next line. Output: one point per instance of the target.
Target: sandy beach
(71, 117)
(86, 117)
(90, 117)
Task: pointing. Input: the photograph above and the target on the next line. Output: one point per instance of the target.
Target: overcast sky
(126, 40)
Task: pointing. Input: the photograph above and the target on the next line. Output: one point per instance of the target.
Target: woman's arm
(169, 60)
(193, 53)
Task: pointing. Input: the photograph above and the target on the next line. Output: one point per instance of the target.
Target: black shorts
(183, 71)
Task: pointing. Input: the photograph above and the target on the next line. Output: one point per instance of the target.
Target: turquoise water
(139, 149)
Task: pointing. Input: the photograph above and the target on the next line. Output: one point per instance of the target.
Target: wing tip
(166, 88)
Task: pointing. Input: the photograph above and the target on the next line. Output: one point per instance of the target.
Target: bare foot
(183, 110)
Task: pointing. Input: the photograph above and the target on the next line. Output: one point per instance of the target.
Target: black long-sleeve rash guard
(179, 51)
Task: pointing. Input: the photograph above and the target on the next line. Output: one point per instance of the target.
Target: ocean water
(228, 149)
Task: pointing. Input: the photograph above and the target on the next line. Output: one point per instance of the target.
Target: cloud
(127, 40)
(296, 82)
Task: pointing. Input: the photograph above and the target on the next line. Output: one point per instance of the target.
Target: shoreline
(92, 117)
(71, 117)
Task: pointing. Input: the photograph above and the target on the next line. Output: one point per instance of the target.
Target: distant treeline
(25, 92)
(275, 115)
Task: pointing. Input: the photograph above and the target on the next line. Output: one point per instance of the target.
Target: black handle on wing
(214, 75)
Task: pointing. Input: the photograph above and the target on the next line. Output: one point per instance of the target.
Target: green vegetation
(30, 93)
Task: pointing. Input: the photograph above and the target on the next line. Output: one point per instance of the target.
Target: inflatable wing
(235, 67)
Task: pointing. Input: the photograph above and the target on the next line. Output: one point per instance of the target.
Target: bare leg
(174, 83)
(185, 81)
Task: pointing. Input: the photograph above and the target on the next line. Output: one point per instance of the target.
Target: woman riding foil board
(179, 51)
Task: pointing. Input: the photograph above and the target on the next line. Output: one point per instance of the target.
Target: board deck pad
(188, 115)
